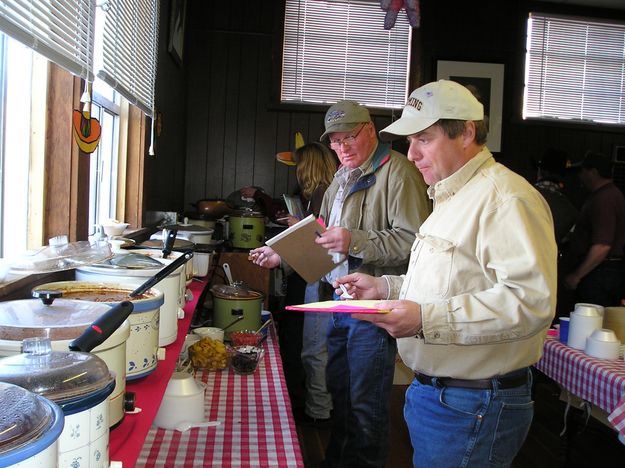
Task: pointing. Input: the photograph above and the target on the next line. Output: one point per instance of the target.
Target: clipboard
(294, 205)
(296, 245)
(347, 307)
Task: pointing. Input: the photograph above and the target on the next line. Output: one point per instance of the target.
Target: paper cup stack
(585, 319)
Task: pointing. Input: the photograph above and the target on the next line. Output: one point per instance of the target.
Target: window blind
(339, 49)
(128, 55)
(575, 69)
(60, 30)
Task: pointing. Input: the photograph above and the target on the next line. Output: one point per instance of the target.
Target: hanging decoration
(392, 8)
(286, 157)
(87, 129)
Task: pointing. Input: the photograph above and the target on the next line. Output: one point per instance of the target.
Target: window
(339, 49)
(575, 70)
(22, 116)
(127, 48)
(47, 187)
(104, 167)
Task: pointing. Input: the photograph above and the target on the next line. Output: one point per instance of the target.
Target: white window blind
(339, 49)
(575, 69)
(127, 59)
(60, 30)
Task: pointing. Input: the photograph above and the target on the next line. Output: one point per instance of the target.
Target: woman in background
(315, 168)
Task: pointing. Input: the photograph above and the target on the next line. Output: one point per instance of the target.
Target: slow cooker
(29, 428)
(246, 229)
(230, 302)
(63, 321)
(79, 383)
(142, 344)
(173, 287)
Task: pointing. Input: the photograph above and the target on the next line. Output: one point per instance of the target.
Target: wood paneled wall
(231, 126)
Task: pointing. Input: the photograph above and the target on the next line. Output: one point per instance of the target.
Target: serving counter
(598, 381)
(257, 426)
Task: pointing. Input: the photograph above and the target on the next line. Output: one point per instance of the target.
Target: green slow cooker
(246, 229)
(230, 302)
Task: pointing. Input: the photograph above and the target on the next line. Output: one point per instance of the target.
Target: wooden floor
(586, 445)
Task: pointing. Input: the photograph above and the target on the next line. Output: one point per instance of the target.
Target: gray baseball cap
(344, 116)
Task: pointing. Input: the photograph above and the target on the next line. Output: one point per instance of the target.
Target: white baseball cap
(442, 99)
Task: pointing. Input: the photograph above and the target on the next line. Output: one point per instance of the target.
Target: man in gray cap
(473, 309)
(372, 209)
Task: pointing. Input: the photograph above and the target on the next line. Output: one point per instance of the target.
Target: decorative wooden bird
(87, 129)
(392, 8)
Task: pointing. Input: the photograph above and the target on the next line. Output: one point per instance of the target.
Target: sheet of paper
(347, 307)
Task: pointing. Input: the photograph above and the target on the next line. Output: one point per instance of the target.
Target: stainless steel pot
(230, 302)
(213, 208)
(29, 428)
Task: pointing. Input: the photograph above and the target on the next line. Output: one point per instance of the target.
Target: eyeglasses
(348, 140)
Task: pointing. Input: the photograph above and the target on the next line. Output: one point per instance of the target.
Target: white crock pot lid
(63, 256)
(64, 319)
(57, 375)
(105, 269)
(29, 424)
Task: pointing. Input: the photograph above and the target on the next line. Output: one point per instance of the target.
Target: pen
(345, 294)
(318, 234)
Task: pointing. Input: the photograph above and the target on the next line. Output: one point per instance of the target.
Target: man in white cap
(473, 309)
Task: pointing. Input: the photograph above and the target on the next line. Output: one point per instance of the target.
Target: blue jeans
(361, 362)
(459, 427)
(315, 358)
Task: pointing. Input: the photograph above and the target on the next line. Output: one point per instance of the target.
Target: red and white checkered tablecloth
(599, 381)
(257, 426)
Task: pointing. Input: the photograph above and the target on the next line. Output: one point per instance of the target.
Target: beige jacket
(383, 212)
(483, 268)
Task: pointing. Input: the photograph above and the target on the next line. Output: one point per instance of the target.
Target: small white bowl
(114, 229)
(604, 334)
(213, 333)
(603, 344)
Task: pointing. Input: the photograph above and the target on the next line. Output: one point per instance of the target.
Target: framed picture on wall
(485, 80)
(177, 17)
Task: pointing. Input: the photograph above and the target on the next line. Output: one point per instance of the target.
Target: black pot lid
(236, 291)
(247, 214)
(26, 417)
(64, 319)
(57, 375)
(194, 228)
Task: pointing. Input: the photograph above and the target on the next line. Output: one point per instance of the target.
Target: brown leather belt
(510, 380)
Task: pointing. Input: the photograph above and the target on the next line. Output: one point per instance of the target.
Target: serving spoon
(186, 425)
